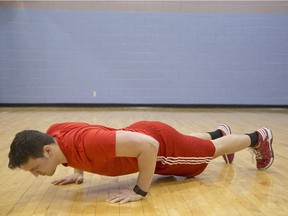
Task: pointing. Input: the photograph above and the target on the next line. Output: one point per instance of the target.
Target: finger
(116, 200)
(57, 182)
(120, 199)
(62, 182)
(66, 181)
(109, 199)
(125, 200)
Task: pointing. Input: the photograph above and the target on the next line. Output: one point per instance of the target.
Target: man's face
(40, 166)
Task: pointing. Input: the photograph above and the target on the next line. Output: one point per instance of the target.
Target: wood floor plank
(236, 189)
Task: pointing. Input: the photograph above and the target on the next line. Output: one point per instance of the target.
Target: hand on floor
(124, 197)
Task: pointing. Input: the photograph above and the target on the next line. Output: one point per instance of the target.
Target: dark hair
(27, 144)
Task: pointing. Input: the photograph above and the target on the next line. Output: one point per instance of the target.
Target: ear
(47, 151)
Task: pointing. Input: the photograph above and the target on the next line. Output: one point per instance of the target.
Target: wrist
(78, 171)
(139, 191)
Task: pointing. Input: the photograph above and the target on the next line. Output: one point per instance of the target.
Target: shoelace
(257, 153)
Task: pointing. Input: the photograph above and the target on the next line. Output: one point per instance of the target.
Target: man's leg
(205, 136)
(222, 130)
(230, 144)
(260, 141)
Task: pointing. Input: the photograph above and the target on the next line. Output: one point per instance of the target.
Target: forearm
(142, 147)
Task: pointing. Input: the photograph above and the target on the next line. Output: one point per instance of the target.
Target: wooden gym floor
(237, 189)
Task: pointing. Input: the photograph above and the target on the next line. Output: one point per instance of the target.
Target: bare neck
(60, 157)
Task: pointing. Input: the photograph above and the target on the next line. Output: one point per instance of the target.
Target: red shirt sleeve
(99, 143)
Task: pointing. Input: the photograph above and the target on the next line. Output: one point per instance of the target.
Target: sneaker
(263, 149)
(225, 130)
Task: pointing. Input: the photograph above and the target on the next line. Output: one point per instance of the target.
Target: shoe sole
(270, 138)
(225, 157)
(227, 128)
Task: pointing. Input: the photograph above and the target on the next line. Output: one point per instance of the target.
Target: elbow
(150, 151)
(154, 146)
(150, 148)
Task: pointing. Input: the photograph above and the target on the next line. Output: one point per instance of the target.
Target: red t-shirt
(91, 148)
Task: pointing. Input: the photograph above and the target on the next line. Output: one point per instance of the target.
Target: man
(146, 147)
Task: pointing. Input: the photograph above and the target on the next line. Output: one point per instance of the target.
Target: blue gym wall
(56, 56)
